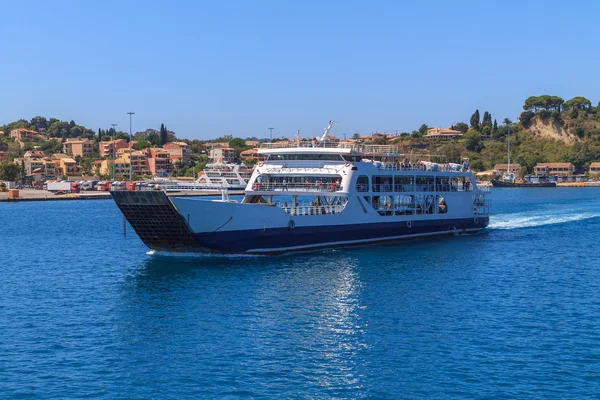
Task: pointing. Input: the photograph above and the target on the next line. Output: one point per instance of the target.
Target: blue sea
(513, 312)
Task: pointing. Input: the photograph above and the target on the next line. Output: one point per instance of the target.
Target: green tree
(580, 103)
(9, 171)
(487, 119)
(143, 143)
(473, 141)
(495, 127)
(163, 135)
(474, 121)
(423, 129)
(461, 126)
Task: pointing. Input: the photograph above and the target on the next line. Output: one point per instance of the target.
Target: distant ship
(315, 194)
(216, 176)
(528, 182)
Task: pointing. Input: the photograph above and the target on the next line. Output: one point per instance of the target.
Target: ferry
(316, 194)
(215, 176)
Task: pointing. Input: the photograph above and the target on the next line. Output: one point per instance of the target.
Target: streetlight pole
(130, 138)
(113, 149)
(271, 134)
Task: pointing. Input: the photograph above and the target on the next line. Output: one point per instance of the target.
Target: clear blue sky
(209, 68)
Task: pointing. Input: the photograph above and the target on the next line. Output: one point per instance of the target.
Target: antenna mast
(326, 133)
(508, 169)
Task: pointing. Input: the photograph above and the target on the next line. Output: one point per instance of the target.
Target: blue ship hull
(280, 240)
(162, 228)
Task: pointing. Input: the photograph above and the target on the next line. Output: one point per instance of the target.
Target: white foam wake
(528, 220)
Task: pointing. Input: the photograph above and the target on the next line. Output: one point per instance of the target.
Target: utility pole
(130, 139)
(271, 134)
(113, 149)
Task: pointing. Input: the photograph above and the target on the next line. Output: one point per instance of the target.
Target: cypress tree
(163, 134)
(475, 120)
(495, 128)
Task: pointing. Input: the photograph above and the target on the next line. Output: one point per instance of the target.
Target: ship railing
(301, 210)
(399, 188)
(422, 166)
(483, 188)
(309, 144)
(300, 165)
(296, 187)
(481, 204)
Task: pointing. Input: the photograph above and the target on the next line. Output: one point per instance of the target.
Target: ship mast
(508, 169)
(326, 133)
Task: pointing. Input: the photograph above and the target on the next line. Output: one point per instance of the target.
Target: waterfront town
(82, 158)
(552, 139)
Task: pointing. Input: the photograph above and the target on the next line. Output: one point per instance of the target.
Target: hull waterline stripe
(359, 241)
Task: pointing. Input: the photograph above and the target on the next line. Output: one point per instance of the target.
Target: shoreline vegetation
(549, 129)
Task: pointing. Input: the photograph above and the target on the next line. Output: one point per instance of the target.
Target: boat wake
(528, 220)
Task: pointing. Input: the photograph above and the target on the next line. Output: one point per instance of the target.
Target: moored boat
(522, 184)
(214, 177)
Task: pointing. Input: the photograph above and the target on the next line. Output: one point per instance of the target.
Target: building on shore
(252, 154)
(503, 168)
(67, 166)
(224, 155)
(441, 133)
(178, 151)
(3, 155)
(34, 154)
(110, 147)
(159, 162)
(550, 169)
(123, 166)
(78, 147)
(21, 135)
(595, 169)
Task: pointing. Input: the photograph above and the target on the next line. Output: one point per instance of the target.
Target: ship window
(424, 184)
(362, 184)
(382, 183)
(352, 158)
(403, 183)
(383, 205)
(442, 184)
(442, 206)
(404, 205)
(456, 183)
(304, 157)
(425, 204)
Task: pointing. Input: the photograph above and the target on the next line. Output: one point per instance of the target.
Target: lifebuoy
(408, 224)
(347, 164)
(476, 220)
(291, 224)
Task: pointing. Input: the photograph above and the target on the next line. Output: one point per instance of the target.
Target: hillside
(551, 130)
(548, 130)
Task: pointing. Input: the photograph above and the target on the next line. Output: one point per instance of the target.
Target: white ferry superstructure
(312, 195)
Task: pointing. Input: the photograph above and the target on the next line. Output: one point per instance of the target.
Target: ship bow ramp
(156, 220)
